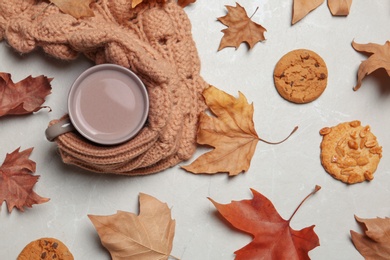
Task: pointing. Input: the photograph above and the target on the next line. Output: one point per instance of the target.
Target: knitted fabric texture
(153, 40)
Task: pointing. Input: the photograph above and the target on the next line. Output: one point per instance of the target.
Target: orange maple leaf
(240, 28)
(380, 58)
(273, 238)
(146, 236)
(302, 7)
(76, 8)
(16, 181)
(339, 7)
(232, 133)
(24, 97)
(375, 242)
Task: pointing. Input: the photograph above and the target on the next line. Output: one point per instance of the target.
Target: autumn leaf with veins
(231, 132)
(17, 182)
(240, 28)
(273, 238)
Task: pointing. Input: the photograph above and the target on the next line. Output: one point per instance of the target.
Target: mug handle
(61, 127)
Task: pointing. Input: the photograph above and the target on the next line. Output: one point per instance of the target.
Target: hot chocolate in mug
(108, 104)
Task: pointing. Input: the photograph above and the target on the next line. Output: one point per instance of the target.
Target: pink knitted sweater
(154, 40)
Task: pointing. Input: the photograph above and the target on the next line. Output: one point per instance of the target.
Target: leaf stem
(257, 8)
(292, 132)
(317, 188)
(42, 11)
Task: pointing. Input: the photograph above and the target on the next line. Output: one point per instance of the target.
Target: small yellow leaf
(231, 133)
(75, 8)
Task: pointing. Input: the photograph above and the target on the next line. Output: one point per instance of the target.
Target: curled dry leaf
(240, 29)
(379, 58)
(146, 236)
(339, 7)
(16, 181)
(231, 133)
(273, 238)
(302, 7)
(24, 97)
(76, 8)
(374, 244)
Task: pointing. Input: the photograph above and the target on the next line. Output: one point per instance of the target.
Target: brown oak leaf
(379, 58)
(23, 97)
(17, 182)
(146, 236)
(339, 7)
(184, 3)
(302, 7)
(273, 238)
(240, 28)
(76, 8)
(374, 244)
(232, 133)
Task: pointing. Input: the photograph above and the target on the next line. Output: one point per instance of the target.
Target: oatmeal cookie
(45, 248)
(350, 152)
(301, 76)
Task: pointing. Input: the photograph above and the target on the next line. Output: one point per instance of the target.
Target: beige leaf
(339, 7)
(147, 236)
(379, 59)
(75, 8)
(302, 7)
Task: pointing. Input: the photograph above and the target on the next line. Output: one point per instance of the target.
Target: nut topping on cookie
(350, 152)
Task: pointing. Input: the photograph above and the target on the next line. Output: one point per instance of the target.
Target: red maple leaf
(16, 181)
(273, 236)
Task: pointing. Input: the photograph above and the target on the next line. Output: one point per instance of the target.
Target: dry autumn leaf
(134, 3)
(184, 3)
(240, 28)
(76, 8)
(302, 7)
(374, 244)
(147, 236)
(17, 182)
(273, 238)
(231, 133)
(380, 58)
(24, 97)
(339, 7)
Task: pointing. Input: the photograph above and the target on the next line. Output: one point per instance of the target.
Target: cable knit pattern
(154, 40)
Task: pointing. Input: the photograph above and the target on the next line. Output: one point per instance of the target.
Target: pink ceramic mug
(108, 104)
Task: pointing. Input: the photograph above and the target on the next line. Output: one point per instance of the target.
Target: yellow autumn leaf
(231, 133)
(76, 8)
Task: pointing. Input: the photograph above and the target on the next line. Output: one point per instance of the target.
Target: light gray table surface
(284, 173)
